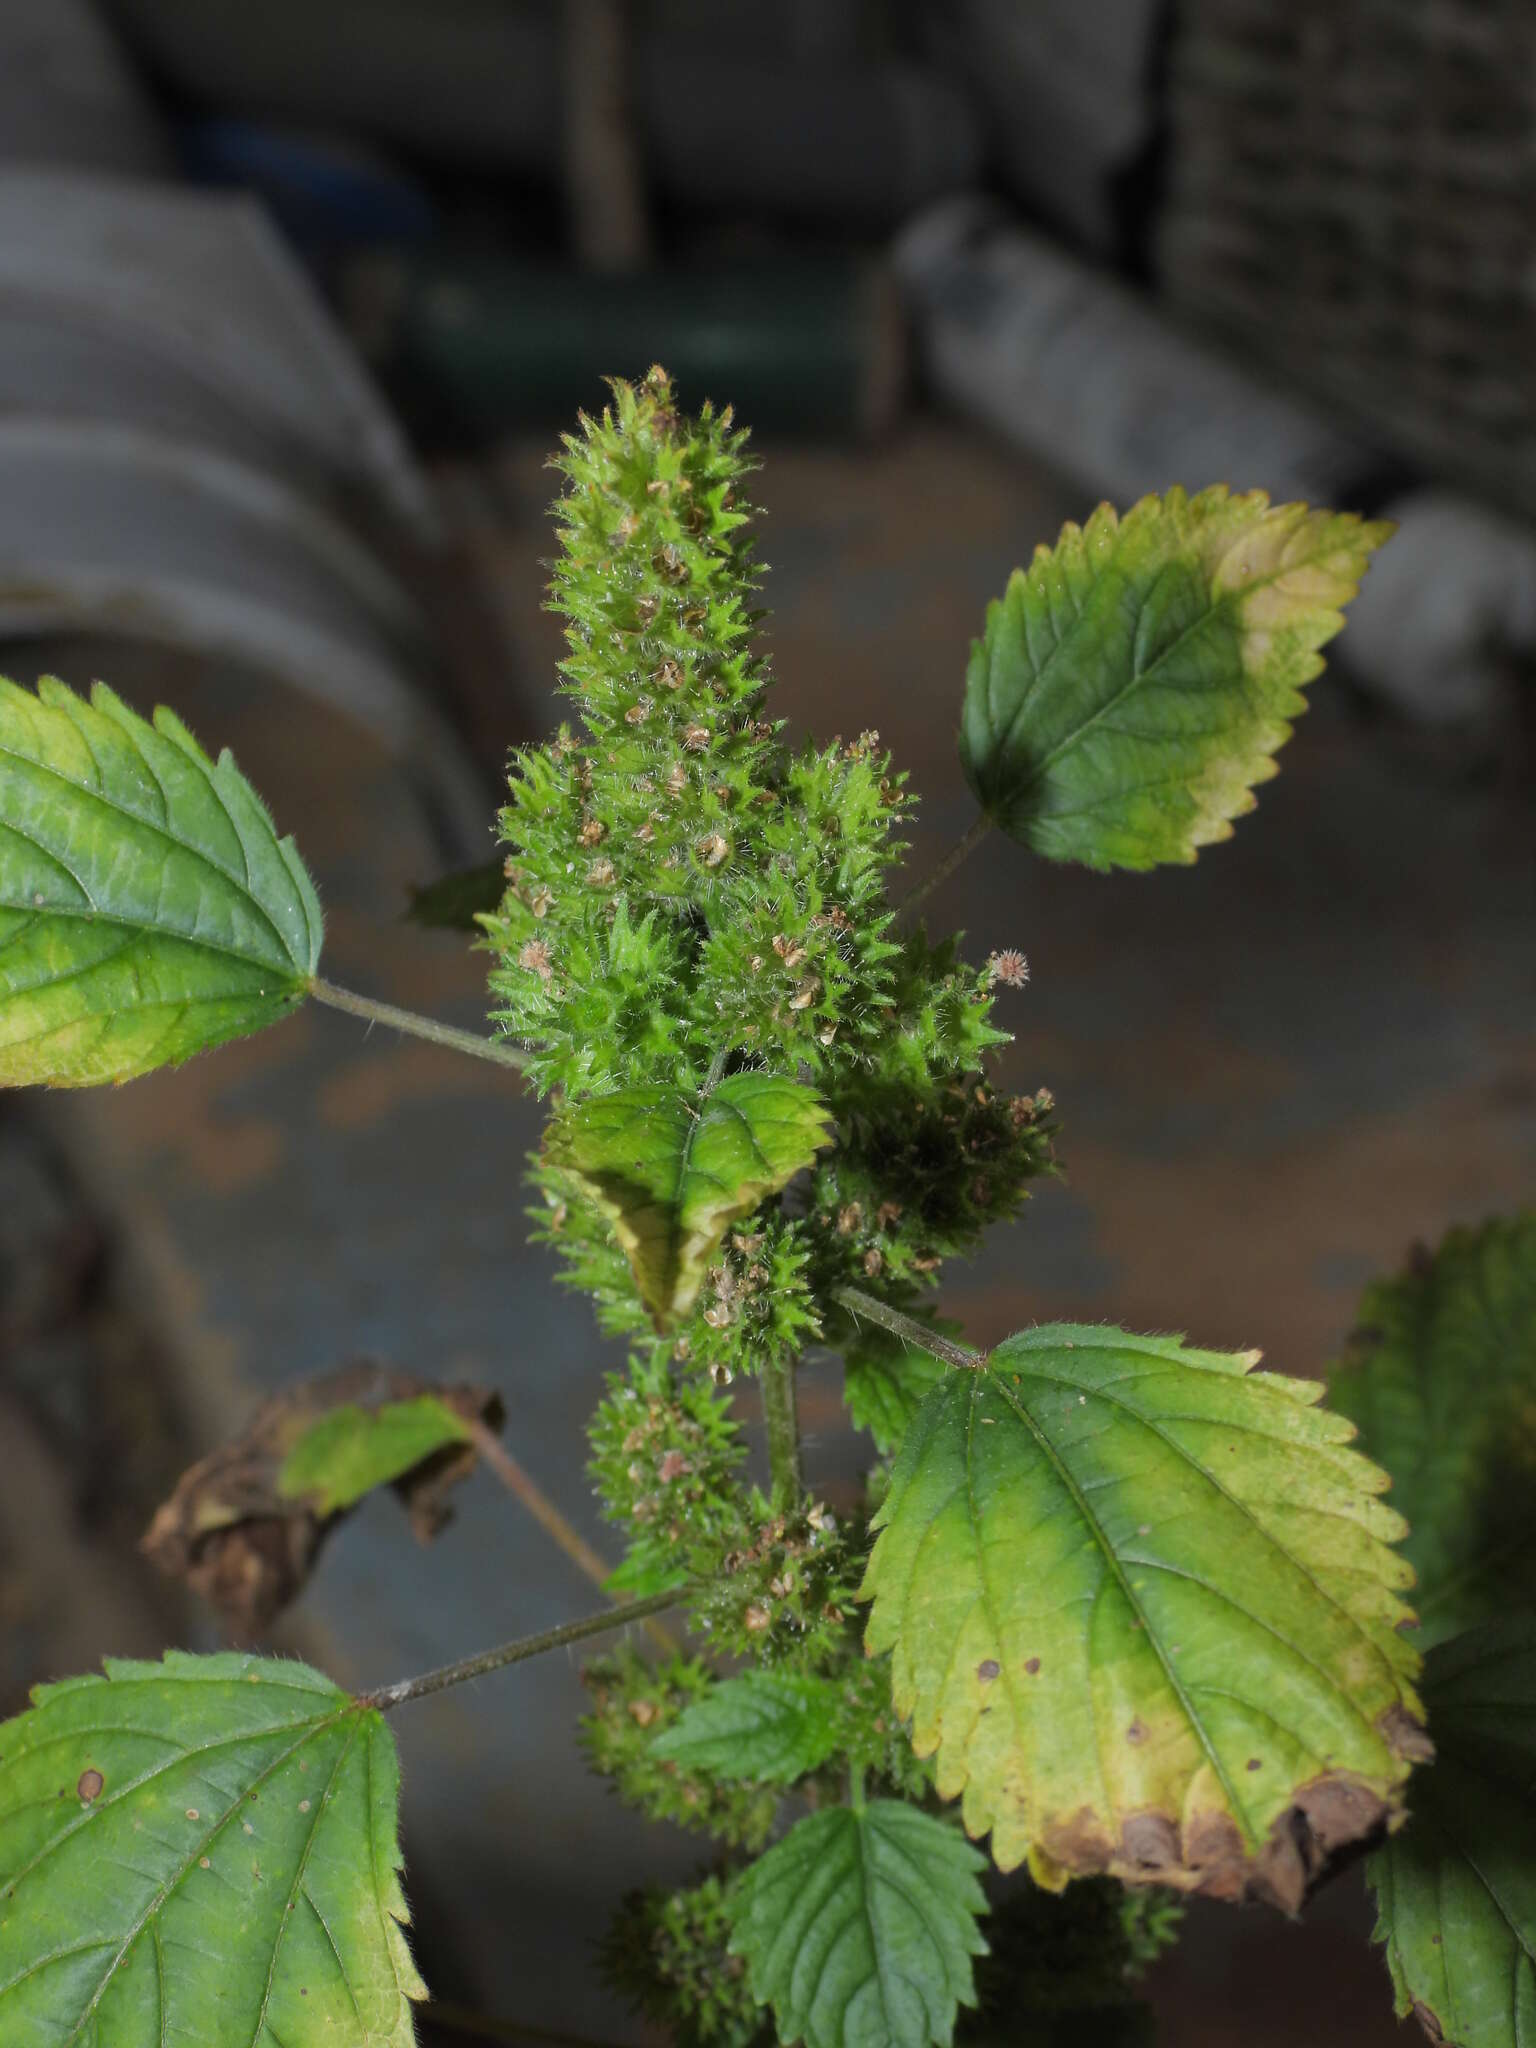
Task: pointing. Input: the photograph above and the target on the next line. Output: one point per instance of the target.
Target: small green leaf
(148, 909)
(1134, 682)
(1456, 1888)
(202, 1850)
(457, 902)
(640, 1575)
(1441, 1380)
(245, 1525)
(1144, 1613)
(859, 1928)
(885, 1382)
(350, 1451)
(672, 1175)
(766, 1727)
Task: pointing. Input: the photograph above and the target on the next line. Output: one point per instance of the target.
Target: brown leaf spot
(1216, 1856)
(1404, 1736)
(1254, 1764)
(1138, 1732)
(1329, 1818)
(1078, 1844)
(90, 1785)
(1032, 1665)
(988, 1669)
(1427, 2020)
(1149, 1842)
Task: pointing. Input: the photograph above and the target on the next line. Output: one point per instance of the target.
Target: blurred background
(293, 300)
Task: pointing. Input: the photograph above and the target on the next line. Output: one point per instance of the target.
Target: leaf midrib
(150, 931)
(156, 1905)
(1135, 681)
(104, 1805)
(1242, 1507)
(1138, 676)
(1112, 1562)
(242, 886)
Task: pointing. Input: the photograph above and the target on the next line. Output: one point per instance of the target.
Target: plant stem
(960, 852)
(525, 1488)
(482, 1048)
(777, 1380)
(909, 1329)
(390, 1696)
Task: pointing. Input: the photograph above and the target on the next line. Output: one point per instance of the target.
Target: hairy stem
(482, 1048)
(909, 1329)
(960, 852)
(389, 1696)
(777, 1380)
(525, 1488)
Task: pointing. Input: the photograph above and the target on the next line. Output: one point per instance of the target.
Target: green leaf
(672, 1175)
(1456, 1888)
(350, 1451)
(202, 1850)
(1144, 1613)
(1134, 682)
(1441, 1380)
(859, 1928)
(148, 909)
(766, 1727)
(885, 1383)
(457, 902)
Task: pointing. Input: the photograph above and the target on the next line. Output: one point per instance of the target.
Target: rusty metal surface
(1275, 1070)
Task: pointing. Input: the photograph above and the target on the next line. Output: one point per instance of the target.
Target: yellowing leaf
(1143, 1610)
(672, 1175)
(148, 909)
(202, 1850)
(1133, 684)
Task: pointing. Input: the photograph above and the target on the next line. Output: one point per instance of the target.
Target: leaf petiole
(517, 1652)
(909, 1329)
(956, 857)
(414, 1026)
